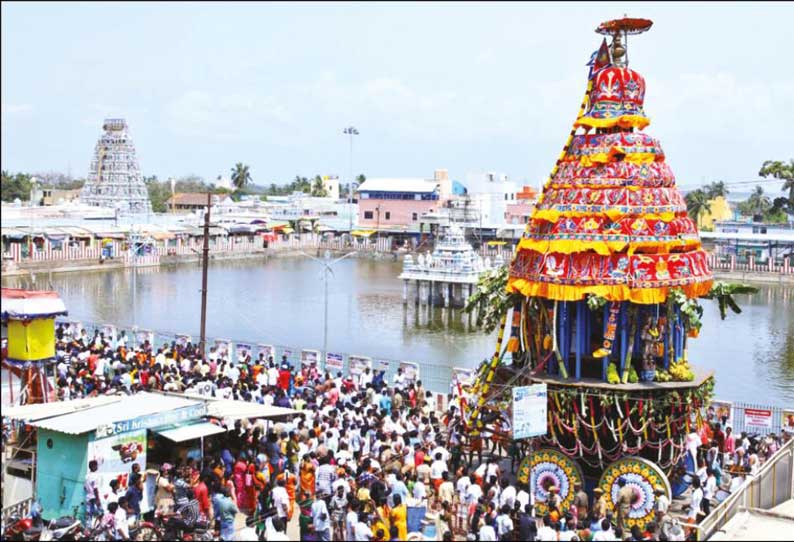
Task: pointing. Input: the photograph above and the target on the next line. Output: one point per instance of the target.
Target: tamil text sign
(529, 411)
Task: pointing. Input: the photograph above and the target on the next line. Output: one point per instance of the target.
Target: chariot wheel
(642, 476)
(547, 467)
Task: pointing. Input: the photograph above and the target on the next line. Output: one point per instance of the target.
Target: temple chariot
(602, 287)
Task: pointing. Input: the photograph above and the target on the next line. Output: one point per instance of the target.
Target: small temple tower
(30, 316)
(114, 179)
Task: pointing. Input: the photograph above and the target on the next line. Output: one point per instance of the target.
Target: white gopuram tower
(114, 179)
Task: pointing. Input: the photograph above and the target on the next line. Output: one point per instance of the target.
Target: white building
(331, 186)
(491, 193)
(224, 182)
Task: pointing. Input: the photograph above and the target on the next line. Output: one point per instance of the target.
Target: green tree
(15, 186)
(785, 172)
(318, 189)
(716, 189)
(697, 203)
(758, 203)
(241, 175)
(158, 193)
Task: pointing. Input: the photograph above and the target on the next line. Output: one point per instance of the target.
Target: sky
(470, 87)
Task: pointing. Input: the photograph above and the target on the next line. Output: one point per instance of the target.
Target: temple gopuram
(114, 179)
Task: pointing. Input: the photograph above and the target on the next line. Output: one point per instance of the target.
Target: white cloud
(202, 113)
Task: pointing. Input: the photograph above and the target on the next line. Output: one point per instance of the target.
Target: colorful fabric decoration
(610, 220)
(616, 100)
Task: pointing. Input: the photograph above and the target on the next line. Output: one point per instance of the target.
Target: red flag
(600, 58)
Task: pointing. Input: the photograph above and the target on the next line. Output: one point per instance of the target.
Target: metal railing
(756, 419)
(773, 485)
(436, 377)
(19, 509)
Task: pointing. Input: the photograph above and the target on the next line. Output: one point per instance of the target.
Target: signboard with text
(758, 417)
(357, 364)
(309, 357)
(410, 370)
(529, 411)
(153, 420)
(334, 362)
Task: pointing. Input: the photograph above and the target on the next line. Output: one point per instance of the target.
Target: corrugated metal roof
(190, 432)
(398, 185)
(229, 408)
(132, 406)
(41, 411)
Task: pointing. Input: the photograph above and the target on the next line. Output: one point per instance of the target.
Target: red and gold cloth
(610, 221)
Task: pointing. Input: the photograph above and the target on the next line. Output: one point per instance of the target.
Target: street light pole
(327, 263)
(351, 131)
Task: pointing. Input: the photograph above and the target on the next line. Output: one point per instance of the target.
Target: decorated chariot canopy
(610, 220)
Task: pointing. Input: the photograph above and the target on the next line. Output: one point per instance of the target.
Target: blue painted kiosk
(111, 430)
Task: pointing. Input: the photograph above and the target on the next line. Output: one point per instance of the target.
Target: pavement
(777, 524)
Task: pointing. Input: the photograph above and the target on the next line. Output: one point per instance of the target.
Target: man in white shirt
(507, 497)
(399, 379)
(365, 378)
(272, 375)
(606, 534)
(487, 532)
(437, 469)
(281, 499)
(321, 519)
(473, 493)
(362, 531)
(504, 525)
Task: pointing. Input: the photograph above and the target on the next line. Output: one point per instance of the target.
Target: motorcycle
(64, 528)
(24, 529)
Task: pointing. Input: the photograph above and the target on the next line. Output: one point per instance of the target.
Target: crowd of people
(357, 463)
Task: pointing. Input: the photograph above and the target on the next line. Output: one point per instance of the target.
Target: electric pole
(205, 256)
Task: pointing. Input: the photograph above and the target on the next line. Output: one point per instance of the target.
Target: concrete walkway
(776, 524)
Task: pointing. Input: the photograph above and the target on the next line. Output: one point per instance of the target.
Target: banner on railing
(788, 420)
(334, 362)
(266, 351)
(357, 364)
(309, 357)
(758, 417)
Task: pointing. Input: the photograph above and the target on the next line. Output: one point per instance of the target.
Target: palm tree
(716, 189)
(240, 175)
(785, 172)
(697, 203)
(318, 189)
(758, 203)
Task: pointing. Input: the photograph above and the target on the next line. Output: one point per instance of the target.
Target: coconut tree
(241, 176)
(716, 189)
(785, 172)
(318, 189)
(697, 203)
(758, 203)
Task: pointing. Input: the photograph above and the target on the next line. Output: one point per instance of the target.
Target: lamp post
(350, 131)
(327, 263)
